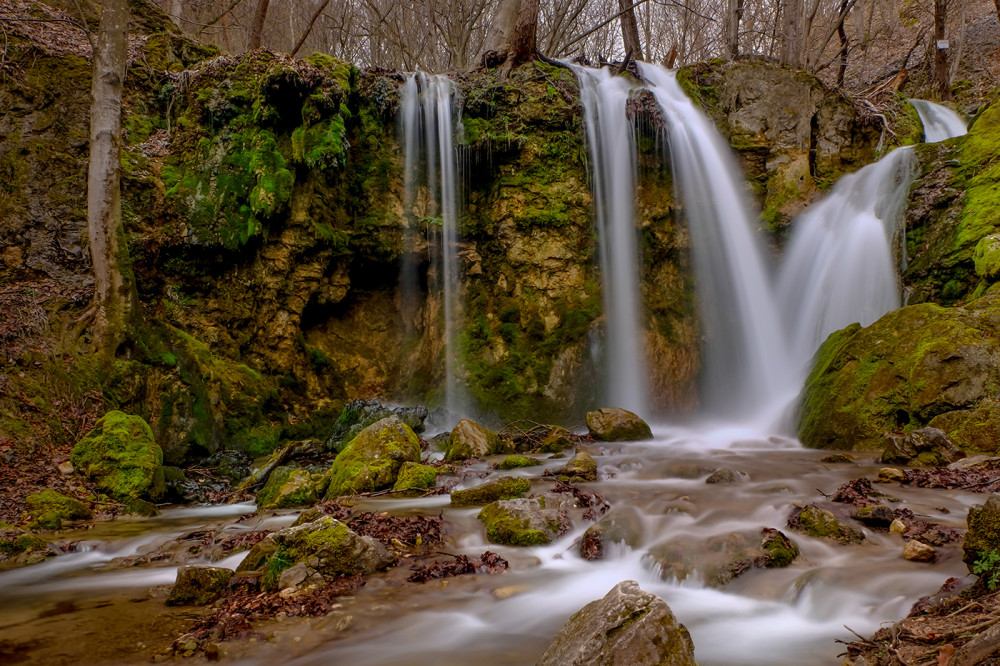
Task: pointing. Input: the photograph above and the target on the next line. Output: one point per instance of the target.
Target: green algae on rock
(515, 462)
(504, 488)
(122, 458)
(581, 467)
(20, 547)
(414, 476)
(373, 459)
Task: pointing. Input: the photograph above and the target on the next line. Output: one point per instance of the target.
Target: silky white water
(611, 143)
(939, 121)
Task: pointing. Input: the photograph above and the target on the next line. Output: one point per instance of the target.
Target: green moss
(515, 462)
(822, 524)
(289, 487)
(500, 489)
(372, 460)
(781, 550)
(121, 456)
(273, 568)
(414, 476)
(49, 508)
(503, 527)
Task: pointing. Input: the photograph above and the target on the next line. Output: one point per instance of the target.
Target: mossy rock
(49, 508)
(557, 440)
(781, 550)
(471, 440)
(22, 548)
(359, 414)
(326, 545)
(612, 424)
(531, 521)
(414, 476)
(517, 462)
(909, 367)
(929, 447)
(122, 458)
(504, 488)
(373, 459)
(291, 486)
(581, 467)
(197, 586)
(983, 535)
(821, 524)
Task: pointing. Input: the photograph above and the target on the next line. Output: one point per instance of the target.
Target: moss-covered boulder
(983, 535)
(626, 627)
(471, 440)
(526, 521)
(612, 424)
(504, 488)
(359, 414)
(372, 460)
(197, 586)
(326, 546)
(516, 462)
(921, 365)
(581, 467)
(414, 476)
(20, 548)
(924, 446)
(822, 524)
(781, 550)
(49, 508)
(291, 486)
(119, 454)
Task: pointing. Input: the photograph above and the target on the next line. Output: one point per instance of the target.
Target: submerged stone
(820, 523)
(197, 586)
(612, 424)
(618, 526)
(122, 458)
(726, 476)
(504, 488)
(625, 628)
(372, 460)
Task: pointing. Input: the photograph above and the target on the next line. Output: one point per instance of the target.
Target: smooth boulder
(373, 459)
(612, 424)
(625, 628)
(471, 440)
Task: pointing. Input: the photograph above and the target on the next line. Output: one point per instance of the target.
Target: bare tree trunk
(630, 29)
(114, 285)
(940, 52)
(257, 28)
(309, 28)
(791, 33)
(734, 14)
(523, 43)
(842, 33)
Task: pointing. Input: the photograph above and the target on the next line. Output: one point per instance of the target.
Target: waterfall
(744, 355)
(611, 141)
(939, 121)
(839, 266)
(431, 96)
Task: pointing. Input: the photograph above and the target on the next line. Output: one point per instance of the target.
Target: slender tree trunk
(257, 28)
(114, 285)
(734, 15)
(941, 54)
(630, 29)
(791, 33)
(309, 28)
(842, 33)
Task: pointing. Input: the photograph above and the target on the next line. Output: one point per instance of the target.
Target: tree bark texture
(630, 29)
(734, 15)
(257, 27)
(523, 42)
(114, 285)
(940, 54)
(792, 50)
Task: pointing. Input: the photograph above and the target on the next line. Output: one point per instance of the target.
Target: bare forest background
(852, 43)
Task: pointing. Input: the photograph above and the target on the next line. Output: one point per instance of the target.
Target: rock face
(925, 446)
(612, 424)
(625, 628)
(471, 440)
(922, 365)
(325, 545)
(373, 459)
(983, 535)
(122, 458)
(197, 586)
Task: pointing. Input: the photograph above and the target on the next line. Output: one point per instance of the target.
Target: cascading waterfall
(613, 155)
(430, 96)
(939, 121)
(745, 368)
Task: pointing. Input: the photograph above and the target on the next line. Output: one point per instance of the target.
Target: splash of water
(939, 121)
(613, 156)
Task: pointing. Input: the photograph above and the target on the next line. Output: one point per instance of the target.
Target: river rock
(617, 526)
(359, 414)
(280, 456)
(517, 461)
(22, 548)
(720, 559)
(917, 551)
(897, 526)
(820, 523)
(414, 476)
(877, 515)
(726, 476)
(891, 475)
(471, 440)
(926, 446)
(372, 460)
(625, 628)
(918, 366)
(612, 424)
(197, 586)
(507, 487)
(289, 487)
(983, 535)
(49, 508)
(326, 545)
(581, 467)
(119, 454)
(527, 521)
(556, 440)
